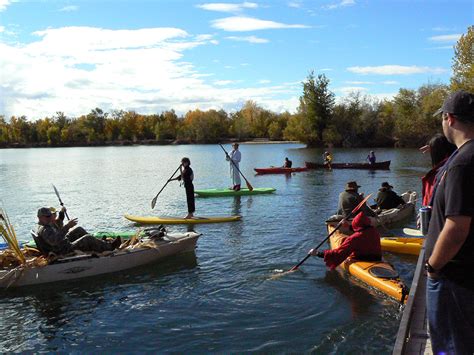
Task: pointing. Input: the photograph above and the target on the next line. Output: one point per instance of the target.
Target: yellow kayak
(399, 245)
(378, 274)
(180, 220)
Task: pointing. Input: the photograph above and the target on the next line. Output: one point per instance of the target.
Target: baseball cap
(44, 212)
(460, 103)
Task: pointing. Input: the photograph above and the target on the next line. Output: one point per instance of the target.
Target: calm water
(220, 299)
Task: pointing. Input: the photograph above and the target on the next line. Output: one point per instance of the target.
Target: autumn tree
(463, 62)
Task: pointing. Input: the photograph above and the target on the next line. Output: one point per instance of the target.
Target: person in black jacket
(187, 176)
(387, 198)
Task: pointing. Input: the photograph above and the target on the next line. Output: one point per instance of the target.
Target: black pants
(190, 198)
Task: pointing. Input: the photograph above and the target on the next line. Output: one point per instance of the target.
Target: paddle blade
(250, 187)
(360, 205)
(153, 202)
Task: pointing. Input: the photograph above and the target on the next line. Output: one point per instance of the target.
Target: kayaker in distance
(187, 176)
(288, 163)
(371, 157)
(234, 157)
(363, 244)
(62, 241)
(327, 158)
(349, 199)
(387, 198)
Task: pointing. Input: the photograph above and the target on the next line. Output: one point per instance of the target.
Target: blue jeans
(450, 312)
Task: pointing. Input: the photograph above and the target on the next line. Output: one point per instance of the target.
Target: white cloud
(446, 38)
(245, 64)
(2, 29)
(294, 4)
(250, 39)
(359, 82)
(395, 70)
(264, 81)
(228, 7)
(4, 4)
(343, 3)
(390, 82)
(349, 89)
(242, 24)
(225, 82)
(69, 8)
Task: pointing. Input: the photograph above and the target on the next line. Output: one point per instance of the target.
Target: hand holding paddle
(153, 202)
(249, 186)
(60, 201)
(353, 212)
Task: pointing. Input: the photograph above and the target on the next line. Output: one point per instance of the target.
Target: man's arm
(450, 240)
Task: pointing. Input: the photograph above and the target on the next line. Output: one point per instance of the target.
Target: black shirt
(187, 176)
(387, 199)
(455, 197)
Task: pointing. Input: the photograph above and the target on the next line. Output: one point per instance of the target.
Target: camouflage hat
(44, 212)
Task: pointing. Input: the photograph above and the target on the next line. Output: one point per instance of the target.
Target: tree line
(405, 120)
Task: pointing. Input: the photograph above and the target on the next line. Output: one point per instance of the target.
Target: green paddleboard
(229, 192)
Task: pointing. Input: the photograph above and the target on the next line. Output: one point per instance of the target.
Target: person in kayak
(440, 149)
(371, 157)
(387, 198)
(62, 241)
(234, 157)
(187, 176)
(288, 163)
(58, 219)
(350, 198)
(327, 158)
(363, 244)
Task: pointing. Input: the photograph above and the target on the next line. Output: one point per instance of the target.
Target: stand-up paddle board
(181, 220)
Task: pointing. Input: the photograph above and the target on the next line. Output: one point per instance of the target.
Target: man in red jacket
(364, 244)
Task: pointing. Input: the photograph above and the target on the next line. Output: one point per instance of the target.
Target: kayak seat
(382, 272)
(42, 247)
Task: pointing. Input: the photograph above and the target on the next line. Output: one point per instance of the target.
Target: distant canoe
(383, 165)
(279, 170)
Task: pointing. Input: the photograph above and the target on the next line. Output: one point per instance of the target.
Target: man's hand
(71, 223)
(319, 254)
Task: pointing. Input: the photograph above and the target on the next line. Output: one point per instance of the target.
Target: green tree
(463, 62)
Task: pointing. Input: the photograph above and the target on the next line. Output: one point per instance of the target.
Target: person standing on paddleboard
(234, 158)
(187, 176)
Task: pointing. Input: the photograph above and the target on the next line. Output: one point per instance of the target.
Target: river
(222, 298)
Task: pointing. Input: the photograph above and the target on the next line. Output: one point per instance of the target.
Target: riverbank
(140, 142)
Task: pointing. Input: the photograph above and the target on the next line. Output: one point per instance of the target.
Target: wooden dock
(412, 336)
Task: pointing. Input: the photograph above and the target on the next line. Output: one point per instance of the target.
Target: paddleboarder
(234, 157)
(187, 176)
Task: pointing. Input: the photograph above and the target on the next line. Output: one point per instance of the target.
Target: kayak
(181, 220)
(230, 192)
(401, 245)
(378, 274)
(277, 170)
(383, 165)
(40, 271)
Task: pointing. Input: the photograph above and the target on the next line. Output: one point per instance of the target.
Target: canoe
(229, 192)
(401, 245)
(377, 274)
(75, 267)
(275, 170)
(393, 216)
(383, 165)
(180, 220)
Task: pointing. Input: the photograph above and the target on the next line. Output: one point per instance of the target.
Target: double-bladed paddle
(153, 202)
(60, 201)
(353, 212)
(249, 186)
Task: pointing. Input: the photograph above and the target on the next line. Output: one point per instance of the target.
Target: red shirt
(365, 242)
(427, 183)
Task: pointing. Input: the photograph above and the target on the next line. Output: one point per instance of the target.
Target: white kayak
(80, 266)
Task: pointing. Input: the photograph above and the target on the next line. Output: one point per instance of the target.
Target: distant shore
(141, 142)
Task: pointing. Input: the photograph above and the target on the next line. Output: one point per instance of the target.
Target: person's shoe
(237, 187)
(189, 216)
(116, 243)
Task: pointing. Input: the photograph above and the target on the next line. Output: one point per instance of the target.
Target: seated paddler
(363, 244)
(66, 239)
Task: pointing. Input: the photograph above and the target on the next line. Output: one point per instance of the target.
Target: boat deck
(412, 337)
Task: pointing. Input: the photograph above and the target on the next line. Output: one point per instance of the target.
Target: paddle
(153, 202)
(249, 186)
(60, 201)
(353, 212)
(413, 232)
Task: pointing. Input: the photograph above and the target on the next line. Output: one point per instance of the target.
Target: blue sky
(150, 56)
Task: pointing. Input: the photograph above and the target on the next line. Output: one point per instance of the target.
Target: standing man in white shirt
(234, 158)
